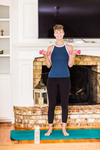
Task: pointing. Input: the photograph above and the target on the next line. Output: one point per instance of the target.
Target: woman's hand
(74, 53)
(44, 53)
(47, 56)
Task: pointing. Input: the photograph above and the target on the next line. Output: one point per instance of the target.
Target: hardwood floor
(5, 137)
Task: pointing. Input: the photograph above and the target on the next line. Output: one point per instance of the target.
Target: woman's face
(59, 34)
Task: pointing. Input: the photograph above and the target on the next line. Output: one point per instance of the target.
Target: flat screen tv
(80, 18)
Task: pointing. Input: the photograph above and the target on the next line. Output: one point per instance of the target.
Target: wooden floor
(5, 137)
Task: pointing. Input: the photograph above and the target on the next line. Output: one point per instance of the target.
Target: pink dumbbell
(79, 52)
(40, 52)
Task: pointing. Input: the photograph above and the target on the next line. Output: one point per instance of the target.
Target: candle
(42, 100)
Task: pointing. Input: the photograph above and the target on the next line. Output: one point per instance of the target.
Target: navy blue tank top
(59, 58)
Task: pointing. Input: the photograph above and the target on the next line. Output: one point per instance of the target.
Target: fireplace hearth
(84, 84)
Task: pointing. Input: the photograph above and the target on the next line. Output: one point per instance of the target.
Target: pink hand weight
(71, 52)
(48, 53)
(40, 52)
(79, 51)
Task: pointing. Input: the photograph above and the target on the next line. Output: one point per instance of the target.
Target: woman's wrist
(45, 56)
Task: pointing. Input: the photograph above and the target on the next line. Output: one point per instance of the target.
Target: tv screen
(80, 18)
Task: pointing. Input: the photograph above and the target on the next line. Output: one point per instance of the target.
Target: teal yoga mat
(56, 134)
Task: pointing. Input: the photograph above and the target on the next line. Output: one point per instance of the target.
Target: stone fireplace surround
(79, 60)
(25, 115)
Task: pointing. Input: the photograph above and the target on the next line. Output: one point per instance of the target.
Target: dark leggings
(52, 89)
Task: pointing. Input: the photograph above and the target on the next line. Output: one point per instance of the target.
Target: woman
(59, 76)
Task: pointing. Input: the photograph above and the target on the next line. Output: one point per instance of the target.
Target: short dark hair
(58, 27)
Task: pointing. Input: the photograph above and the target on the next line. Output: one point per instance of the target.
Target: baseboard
(5, 120)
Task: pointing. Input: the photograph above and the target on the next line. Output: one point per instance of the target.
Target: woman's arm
(47, 58)
(71, 56)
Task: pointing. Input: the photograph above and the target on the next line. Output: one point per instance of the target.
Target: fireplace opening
(84, 84)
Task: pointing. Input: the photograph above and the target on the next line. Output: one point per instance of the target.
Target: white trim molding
(27, 20)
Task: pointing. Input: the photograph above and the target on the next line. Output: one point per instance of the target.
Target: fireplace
(84, 84)
(29, 76)
(85, 79)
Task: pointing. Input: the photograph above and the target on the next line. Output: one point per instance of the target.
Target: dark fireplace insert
(84, 82)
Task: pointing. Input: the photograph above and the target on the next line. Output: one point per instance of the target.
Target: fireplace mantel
(92, 49)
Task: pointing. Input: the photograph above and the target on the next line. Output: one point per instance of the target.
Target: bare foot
(48, 133)
(65, 133)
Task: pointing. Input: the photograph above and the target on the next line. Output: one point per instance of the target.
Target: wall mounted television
(80, 18)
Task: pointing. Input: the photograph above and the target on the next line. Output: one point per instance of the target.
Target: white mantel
(32, 50)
